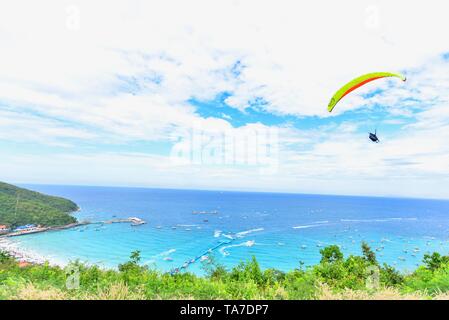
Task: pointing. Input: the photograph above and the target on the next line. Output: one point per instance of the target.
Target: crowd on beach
(21, 254)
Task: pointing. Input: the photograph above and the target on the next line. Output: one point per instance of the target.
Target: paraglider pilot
(373, 137)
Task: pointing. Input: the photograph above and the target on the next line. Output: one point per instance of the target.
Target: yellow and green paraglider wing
(358, 82)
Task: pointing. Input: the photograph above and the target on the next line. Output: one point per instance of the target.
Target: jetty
(38, 229)
(132, 220)
(23, 232)
(186, 264)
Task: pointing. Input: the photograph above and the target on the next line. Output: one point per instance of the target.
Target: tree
(331, 254)
(369, 254)
(213, 268)
(435, 261)
(135, 257)
(133, 264)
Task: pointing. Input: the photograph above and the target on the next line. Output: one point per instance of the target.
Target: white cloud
(292, 56)
(127, 74)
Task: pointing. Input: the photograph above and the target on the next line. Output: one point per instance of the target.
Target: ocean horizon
(282, 230)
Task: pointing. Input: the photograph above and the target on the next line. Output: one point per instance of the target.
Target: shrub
(435, 261)
(369, 254)
(331, 254)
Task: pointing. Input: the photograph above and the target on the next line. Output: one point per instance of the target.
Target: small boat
(135, 220)
(168, 259)
(303, 246)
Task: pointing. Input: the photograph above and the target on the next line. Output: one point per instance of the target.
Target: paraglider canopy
(358, 82)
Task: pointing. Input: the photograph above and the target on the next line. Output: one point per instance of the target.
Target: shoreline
(133, 220)
(43, 229)
(32, 257)
(24, 255)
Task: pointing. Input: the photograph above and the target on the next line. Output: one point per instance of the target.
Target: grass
(334, 278)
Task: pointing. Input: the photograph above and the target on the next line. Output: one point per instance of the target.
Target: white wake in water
(312, 225)
(248, 243)
(379, 220)
(160, 255)
(244, 233)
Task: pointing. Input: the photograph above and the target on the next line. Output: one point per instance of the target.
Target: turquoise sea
(282, 230)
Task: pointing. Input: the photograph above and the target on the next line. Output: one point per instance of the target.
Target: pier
(133, 220)
(205, 253)
(43, 229)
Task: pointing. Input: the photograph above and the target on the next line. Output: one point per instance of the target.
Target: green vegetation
(335, 277)
(20, 206)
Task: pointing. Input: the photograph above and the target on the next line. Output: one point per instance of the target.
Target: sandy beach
(25, 255)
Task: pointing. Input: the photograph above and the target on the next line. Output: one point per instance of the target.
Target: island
(23, 210)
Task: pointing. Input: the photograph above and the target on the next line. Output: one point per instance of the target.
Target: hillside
(19, 206)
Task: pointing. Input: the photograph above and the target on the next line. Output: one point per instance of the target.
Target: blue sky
(110, 97)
